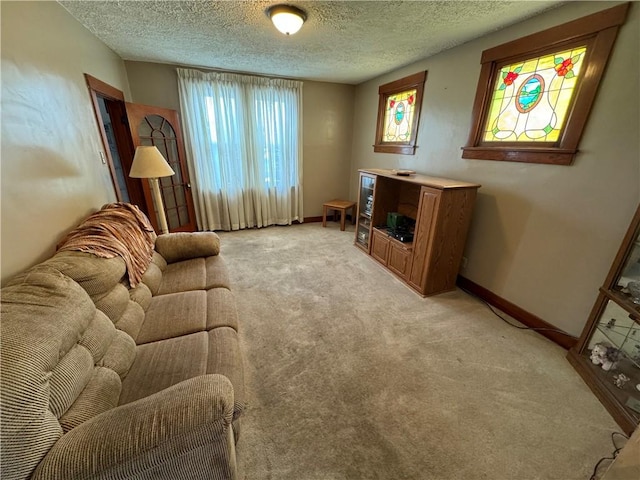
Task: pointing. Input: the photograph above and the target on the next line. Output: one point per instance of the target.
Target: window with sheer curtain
(243, 137)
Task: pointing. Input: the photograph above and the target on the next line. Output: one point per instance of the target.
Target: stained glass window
(534, 93)
(531, 99)
(398, 116)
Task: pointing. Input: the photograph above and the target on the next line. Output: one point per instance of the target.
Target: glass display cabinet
(365, 211)
(607, 355)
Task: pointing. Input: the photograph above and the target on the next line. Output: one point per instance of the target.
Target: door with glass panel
(160, 127)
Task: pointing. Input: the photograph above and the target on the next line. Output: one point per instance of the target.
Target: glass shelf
(627, 396)
(616, 328)
(631, 270)
(609, 346)
(365, 211)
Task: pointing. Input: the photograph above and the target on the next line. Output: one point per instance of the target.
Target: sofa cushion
(173, 315)
(120, 354)
(221, 309)
(224, 358)
(180, 246)
(194, 274)
(159, 261)
(100, 394)
(94, 274)
(69, 377)
(217, 273)
(131, 320)
(114, 302)
(98, 336)
(183, 276)
(161, 364)
(152, 278)
(141, 295)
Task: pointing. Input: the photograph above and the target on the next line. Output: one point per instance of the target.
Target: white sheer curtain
(243, 138)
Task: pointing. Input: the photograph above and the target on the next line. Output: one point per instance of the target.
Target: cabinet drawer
(380, 246)
(399, 260)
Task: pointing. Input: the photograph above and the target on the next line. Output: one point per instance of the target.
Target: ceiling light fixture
(286, 18)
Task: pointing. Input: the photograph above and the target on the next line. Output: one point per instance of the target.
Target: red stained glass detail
(511, 76)
(565, 67)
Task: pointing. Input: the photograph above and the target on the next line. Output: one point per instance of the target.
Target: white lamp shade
(148, 162)
(287, 19)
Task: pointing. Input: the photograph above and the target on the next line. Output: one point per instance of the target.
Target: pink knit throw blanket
(118, 229)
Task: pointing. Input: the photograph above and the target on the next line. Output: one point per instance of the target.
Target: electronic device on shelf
(400, 226)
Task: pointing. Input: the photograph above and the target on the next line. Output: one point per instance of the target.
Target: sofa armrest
(151, 435)
(185, 245)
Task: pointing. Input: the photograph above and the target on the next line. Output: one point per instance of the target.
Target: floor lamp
(149, 163)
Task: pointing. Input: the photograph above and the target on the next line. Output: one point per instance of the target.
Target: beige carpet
(351, 375)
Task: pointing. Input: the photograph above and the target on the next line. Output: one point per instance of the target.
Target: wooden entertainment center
(441, 209)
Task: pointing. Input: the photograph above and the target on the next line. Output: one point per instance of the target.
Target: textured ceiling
(341, 41)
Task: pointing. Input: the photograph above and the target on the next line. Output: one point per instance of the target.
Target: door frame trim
(96, 87)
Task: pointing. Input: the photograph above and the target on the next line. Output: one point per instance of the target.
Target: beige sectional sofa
(101, 380)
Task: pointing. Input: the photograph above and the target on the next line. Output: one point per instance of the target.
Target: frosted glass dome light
(286, 18)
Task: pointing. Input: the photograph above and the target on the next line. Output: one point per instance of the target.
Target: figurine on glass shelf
(620, 379)
(605, 355)
(634, 290)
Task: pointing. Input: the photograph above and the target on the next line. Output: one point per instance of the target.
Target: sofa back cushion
(62, 363)
(96, 275)
(152, 278)
(105, 280)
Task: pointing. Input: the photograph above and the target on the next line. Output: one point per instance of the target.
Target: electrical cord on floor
(612, 457)
(538, 329)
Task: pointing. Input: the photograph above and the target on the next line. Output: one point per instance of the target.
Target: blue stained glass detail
(399, 112)
(530, 92)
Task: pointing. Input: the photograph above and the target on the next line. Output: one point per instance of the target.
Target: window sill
(401, 149)
(549, 156)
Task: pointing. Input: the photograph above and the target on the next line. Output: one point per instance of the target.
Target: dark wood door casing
(114, 100)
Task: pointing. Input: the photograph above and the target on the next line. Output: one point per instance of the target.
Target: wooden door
(422, 240)
(160, 127)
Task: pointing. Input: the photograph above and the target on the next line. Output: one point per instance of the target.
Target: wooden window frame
(416, 81)
(598, 31)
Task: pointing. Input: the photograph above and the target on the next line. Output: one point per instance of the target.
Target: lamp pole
(155, 189)
(149, 163)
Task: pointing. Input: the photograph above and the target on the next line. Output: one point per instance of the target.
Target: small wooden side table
(342, 206)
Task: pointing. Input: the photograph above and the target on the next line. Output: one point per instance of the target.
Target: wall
(327, 124)
(542, 237)
(52, 175)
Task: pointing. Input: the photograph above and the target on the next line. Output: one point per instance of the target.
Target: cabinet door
(429, 201)
(365, 211)
(380, 246)
(399, 260)
(607, 355)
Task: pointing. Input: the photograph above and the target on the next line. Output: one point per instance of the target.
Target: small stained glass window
(531, 99)
(398, 116)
